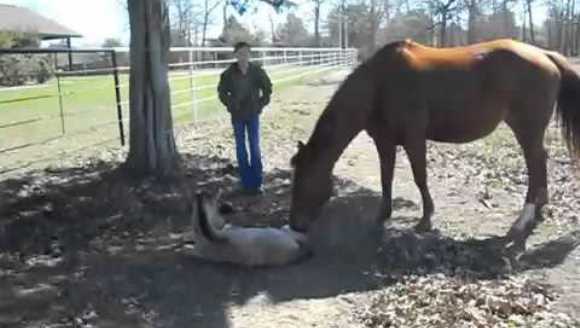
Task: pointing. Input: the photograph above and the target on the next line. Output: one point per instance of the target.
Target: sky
(98, 20)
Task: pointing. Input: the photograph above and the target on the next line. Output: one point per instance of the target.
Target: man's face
(243, 55)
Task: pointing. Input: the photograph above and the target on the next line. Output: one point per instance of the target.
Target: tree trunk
(152, 149)
(387, 11)
(559, 27)
(432, 32)
(577, 36)
(471, 27)
(317, 22)
(189, 28)
(531, 22)
(571, 19)
(272, 29)
(566, 29)
(443, 31)
(206, 13)
(373, 28)
(550, 35)
(524, 34)
(225, 15)
(195, 35)
(506, 23)
(524, 31)
(204, 29)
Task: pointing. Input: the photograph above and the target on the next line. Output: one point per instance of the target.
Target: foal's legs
(417, 153)
(387, 156)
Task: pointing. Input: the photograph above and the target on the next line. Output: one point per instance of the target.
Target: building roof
(19, 19)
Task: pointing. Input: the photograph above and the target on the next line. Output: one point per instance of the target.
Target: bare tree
(224, 15)
(183, 18)
(272, 29)
(531, 21)
(293, 32)
(561, 26)
(208, 8)
(317, 5)
(376, 12)
(152, 149)
(443, 11)
(473, 13)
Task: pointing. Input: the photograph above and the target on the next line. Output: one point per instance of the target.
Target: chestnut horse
(408, 93)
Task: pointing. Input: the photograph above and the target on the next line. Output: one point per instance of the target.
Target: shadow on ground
(84, 246)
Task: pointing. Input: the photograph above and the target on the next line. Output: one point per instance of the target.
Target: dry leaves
(441, 301)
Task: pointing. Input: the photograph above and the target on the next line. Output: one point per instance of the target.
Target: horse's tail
(568, 103)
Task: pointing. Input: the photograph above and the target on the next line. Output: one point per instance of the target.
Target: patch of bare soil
(82, 246)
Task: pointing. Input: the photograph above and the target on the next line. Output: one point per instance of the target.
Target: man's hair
(241, 45)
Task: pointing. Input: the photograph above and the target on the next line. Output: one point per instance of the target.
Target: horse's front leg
(417, 153)
(387, 156)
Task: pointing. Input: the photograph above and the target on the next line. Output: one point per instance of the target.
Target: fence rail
(92, 98)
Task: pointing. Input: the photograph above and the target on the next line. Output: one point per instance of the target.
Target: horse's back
(425, 58)
(462, 93)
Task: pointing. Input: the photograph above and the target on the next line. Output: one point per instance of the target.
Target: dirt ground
(85, 247)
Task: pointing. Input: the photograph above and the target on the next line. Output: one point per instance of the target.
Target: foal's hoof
(423, 227)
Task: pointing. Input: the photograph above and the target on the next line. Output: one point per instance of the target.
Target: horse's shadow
(165, 288)
(347, 231)
(351, 255)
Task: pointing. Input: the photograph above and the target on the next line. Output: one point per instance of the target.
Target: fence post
(118, 96)
(191, 85)
(60, 104)
(70, 58)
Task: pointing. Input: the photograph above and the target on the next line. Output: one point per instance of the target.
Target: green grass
(90, 112)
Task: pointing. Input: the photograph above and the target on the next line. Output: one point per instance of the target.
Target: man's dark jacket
(244, 95)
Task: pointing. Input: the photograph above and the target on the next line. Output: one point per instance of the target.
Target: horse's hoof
(515, 248)
(423, 227)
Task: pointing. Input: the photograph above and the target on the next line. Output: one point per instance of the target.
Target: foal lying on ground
(218, 242)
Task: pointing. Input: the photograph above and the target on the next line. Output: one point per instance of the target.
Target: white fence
(281, 64)
(87, 106)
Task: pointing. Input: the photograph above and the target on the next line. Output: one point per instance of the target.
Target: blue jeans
(250, 169)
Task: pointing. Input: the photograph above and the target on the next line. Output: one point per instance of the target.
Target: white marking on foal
(299, 236)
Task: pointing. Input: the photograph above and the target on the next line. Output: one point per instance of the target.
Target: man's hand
(264, 101)
(232, 107)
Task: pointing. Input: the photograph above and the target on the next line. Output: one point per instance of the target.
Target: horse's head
(311, 188)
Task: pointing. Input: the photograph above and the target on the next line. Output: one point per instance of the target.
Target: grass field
(32, 129)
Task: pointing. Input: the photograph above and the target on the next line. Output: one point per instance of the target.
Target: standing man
(245, 89)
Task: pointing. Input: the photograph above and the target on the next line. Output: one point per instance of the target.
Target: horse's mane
(325, 126)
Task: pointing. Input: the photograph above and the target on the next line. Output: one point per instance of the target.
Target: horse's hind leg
(530, 135)
(417, 152)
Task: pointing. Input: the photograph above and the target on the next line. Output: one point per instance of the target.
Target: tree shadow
(85, 245)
